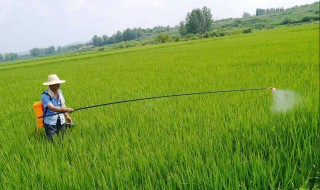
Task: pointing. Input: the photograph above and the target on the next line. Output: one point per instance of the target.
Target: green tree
(260, 12)
(163, 38)
(182, 28)
(1, 57)
(207, 16)
(35, 52)
(129, 34)
(111, 40)
(193, 21)
(198, 21)
(118, 37)
(14, 56)
(97, 40)
(105, 39)
(7, 56)
(60, 49)
(51, 50)
(10, 56)
(141, 33)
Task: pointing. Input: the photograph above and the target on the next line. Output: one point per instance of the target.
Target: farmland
(219, 141)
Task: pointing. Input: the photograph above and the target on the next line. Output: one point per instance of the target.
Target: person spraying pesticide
(53, 102)
(53, 112)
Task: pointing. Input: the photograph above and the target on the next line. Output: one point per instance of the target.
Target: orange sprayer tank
(38, 110)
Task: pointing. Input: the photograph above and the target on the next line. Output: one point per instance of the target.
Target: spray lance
(164, 96)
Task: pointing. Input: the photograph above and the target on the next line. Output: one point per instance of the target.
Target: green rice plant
(219, 141)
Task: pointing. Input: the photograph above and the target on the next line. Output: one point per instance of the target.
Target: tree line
(267, 11)
(127, 35)
(8, 57)
(38, 52)
(198, 21)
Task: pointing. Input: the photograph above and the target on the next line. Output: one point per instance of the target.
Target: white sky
(25, 24)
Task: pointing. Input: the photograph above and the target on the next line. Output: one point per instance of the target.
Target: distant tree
(1, 57)
(118, 37)
(59, 49)
(42, 51)
(51, 50)
(7, 56)
(105, 39)
(286, 21)
(163, 38)
(35, 52)
(198, 21)
(260, 12)
(10, 56)
(141, 33)
(306, 18)
(111, 40)
(182, 28)
(129, 34)
(97, 40)
(149, 31)
(206, 12)
(245, 15)
(246, 30)
(15, 56)
(267, 11)
(159, 29)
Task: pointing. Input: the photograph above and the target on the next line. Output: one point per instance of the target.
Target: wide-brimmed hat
(53, 79)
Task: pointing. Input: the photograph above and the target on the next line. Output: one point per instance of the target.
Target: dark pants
(54, 129)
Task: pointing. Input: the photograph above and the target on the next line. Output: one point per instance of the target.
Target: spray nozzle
(272, 89)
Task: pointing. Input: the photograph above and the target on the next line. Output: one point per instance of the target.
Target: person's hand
(68, 118)
(68, 110)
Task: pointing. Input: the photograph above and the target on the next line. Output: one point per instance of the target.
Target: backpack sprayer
(38, 107)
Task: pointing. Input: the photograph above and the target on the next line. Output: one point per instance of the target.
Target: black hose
(157, 97)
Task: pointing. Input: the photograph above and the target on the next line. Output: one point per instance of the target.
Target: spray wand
(164, 96)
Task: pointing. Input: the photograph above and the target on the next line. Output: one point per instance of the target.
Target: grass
(222, 141)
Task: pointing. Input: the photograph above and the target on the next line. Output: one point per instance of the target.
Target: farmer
(53, 101)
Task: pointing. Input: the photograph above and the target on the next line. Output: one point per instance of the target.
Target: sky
(26, 24)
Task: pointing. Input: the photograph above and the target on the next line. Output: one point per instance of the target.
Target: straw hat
(53, 79)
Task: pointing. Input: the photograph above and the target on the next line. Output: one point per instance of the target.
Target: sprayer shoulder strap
(46, 108)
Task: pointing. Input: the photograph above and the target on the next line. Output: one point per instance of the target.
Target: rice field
(218, 141)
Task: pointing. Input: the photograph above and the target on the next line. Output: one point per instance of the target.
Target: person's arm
(56, 109)
(65, 110)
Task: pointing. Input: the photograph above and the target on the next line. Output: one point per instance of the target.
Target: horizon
(59, 23)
